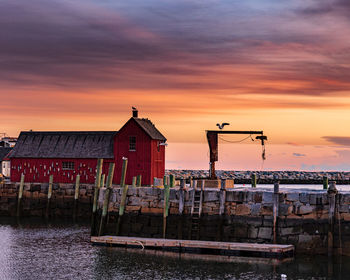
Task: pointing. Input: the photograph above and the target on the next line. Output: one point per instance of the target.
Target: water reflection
(37, 250)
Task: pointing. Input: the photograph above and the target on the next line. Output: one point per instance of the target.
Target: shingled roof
(150, 129)
(4, 152)
(64, 144)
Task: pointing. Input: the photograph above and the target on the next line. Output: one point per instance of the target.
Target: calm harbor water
(294, 187)
(38, 250)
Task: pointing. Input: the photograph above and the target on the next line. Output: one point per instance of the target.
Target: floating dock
(196, 246)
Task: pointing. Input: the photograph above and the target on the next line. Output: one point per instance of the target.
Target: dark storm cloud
(169, 45)
(338, 140)
(326, 7)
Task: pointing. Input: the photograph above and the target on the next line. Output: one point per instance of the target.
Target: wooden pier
(208, 247)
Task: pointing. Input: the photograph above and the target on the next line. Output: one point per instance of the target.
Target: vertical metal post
(134, 182)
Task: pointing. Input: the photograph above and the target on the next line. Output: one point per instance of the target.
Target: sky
(278, 66)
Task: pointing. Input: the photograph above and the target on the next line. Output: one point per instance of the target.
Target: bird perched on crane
(221, 126)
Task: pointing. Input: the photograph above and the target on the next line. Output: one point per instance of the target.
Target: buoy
(283, 277)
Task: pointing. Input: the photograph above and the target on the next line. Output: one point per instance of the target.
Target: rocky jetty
(267, 177)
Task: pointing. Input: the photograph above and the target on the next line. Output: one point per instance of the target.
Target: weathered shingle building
(65, 154)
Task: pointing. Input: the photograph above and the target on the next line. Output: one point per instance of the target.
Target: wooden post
(332, 192)
(275, 210)
(181, 207)
(76, 197)
(103, 180)
(222, 200)
(172, 181)
(166, 206)
(253, 179)
(106, 198)
(134, 182)
(49, 194)
(222, 197)
(124, 189)
(181, 196)
(139, 179)
(96, 193)
(165, 180)
(20, 194)
(325, 182)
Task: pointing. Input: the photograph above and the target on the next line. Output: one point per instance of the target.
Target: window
(68, 165)
(132, 143)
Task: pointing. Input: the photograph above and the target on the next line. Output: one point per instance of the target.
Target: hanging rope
(263, 157)
(239, 141)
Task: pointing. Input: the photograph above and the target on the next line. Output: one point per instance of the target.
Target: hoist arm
(212, 137)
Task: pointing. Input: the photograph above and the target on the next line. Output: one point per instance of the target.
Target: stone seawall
(303, 216)
(34, 200)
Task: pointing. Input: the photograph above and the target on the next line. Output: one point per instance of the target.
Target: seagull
(133, 108)
(221, 126)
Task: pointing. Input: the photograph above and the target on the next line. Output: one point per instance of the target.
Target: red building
(64, 154)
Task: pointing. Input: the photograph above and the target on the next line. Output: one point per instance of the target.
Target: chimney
(135, 113)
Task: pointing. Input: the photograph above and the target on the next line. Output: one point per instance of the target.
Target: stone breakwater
(303, 216)
(266, 177)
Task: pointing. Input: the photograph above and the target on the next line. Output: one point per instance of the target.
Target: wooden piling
(165, 180)
(134, 182)
(20, 194)
(253, 179)
(332, 193)
(124, 189)
(96, 193)
(181, 196)
(139, 180)
(181, 207)
(325, 182)
(103, 180)
(106, 198)
(49, 194)
(76, 197)
(275, 210)
(222, 200)
(166, 206)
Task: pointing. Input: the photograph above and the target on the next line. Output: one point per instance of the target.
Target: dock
(196, 246)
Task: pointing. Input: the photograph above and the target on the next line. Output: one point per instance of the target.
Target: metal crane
(212, 137)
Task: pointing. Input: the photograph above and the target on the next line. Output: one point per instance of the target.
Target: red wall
(139, 161)
(158, 159)
(39, 170)
(146, 161)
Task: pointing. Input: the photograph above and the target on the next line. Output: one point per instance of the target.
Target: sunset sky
(278, 66)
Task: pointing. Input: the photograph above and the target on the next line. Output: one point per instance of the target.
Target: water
(37, 251)
(294, 187)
